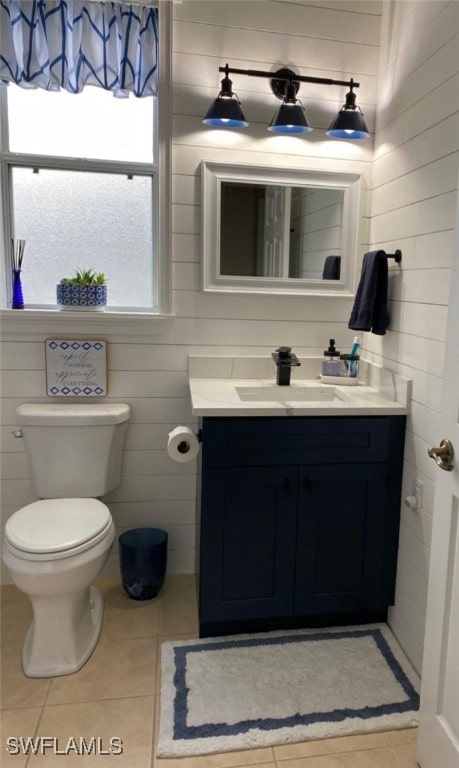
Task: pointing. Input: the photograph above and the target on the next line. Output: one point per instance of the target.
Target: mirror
(279, 230)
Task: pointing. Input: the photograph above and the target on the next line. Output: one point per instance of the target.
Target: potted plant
(85, 291)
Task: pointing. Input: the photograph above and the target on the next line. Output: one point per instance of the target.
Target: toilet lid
(57, 525)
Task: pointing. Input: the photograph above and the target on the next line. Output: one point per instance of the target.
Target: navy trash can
(143, 560)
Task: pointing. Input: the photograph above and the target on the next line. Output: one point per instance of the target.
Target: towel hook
(397, 255)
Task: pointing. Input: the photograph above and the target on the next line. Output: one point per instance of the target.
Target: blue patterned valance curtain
(55, 44)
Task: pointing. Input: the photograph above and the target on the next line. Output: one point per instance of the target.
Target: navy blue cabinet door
(248, 529)
(340, 538)
(299, 521)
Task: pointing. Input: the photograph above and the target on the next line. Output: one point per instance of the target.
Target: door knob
(443, 455)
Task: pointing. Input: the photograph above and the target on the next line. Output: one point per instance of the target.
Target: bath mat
(246, 691)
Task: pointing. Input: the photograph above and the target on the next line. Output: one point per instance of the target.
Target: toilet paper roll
(183, 444)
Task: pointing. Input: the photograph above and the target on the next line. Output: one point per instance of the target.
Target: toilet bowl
(53, 550)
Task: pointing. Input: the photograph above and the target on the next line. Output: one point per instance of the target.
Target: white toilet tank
(73, 450)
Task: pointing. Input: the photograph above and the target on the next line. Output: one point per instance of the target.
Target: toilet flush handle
(17, 433)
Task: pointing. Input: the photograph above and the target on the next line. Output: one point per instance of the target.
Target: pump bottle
(331, 365)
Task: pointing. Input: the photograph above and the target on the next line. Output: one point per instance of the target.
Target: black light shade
(290, 117)
(226, 111)
(349, 123)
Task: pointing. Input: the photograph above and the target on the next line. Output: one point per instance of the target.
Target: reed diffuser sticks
(17, 253)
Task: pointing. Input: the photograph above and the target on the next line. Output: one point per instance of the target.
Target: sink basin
(279, 394)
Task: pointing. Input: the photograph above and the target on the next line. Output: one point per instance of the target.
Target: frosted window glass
(74, 220)
(92, 124)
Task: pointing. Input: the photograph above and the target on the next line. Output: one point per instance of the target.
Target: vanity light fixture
(349, 123)
(226, 111)
(290, 117)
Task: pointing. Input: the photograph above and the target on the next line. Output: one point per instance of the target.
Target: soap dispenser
(331, 365)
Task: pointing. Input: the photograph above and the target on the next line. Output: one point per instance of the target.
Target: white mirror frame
(212, 176)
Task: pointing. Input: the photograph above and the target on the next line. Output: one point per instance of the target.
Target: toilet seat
(52, 529)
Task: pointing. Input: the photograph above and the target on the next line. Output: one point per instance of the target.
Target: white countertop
(219, 386)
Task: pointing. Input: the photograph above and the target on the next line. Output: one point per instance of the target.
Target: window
(80, 175)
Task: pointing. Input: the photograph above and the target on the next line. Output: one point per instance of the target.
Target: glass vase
(18, 299)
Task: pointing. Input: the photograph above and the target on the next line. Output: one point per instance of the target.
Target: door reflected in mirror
(280, 231)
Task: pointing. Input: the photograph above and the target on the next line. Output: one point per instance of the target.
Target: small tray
(343, 381)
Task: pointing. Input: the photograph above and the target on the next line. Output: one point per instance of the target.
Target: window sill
(107, 322)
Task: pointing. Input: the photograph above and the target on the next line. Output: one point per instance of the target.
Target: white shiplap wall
(415, 177)
(329, 39)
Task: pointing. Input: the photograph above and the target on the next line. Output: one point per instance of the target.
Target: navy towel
(369, 312)
(332, 268)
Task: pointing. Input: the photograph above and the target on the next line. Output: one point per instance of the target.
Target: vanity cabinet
(299, 521)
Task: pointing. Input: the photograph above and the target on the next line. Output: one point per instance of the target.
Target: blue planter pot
(81, 297)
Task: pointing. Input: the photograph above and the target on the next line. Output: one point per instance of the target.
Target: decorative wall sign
(76, 367)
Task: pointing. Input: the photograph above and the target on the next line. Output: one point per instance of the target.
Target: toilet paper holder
(184, 446)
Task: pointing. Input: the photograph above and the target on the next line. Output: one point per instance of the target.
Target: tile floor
(116, 694)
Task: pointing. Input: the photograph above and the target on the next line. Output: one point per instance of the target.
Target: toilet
(54, 548)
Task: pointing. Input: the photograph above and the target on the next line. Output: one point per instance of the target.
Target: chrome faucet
(285, 359)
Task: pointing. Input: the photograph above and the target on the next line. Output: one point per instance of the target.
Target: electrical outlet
(418, 491)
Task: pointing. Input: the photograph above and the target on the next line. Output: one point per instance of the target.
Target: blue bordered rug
(246, 691)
